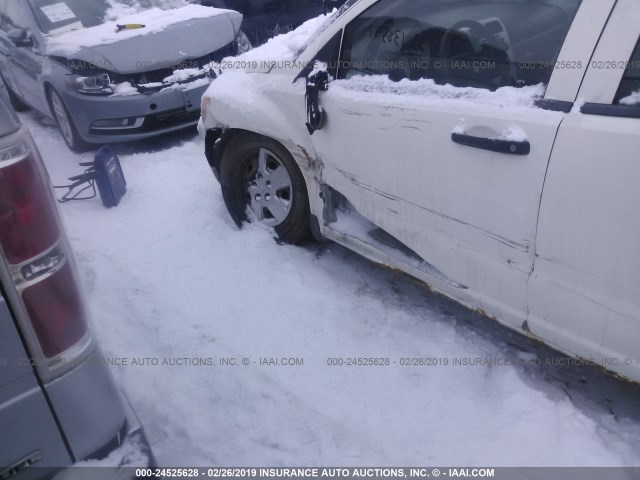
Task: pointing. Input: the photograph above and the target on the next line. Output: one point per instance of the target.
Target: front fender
(269, 105)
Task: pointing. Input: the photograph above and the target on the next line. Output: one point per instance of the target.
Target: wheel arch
(217, 140)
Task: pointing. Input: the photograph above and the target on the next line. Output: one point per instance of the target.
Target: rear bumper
(133, 437)
(135, 433)
(129, 450)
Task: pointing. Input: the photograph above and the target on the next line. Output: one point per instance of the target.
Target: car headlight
(91, 85)
(243, 44)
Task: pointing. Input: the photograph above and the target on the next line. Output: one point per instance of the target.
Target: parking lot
(170, 278)
(354, 233)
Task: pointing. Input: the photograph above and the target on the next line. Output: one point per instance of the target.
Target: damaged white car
(487, 148)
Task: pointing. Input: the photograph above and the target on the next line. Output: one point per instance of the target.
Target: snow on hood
(169, 37)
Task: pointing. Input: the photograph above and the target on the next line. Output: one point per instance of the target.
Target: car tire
(258, 175)
(65, 122)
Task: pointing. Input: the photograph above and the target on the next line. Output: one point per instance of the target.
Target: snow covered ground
(169, 276)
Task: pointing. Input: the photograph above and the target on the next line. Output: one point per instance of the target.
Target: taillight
(34, 247)
(27, 226)
(56, 311)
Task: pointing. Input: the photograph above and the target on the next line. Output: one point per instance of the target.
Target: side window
(629, 91)
(327, 54)
(466, 43)
(15, 16)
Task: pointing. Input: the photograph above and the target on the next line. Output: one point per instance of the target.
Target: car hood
(140, 50)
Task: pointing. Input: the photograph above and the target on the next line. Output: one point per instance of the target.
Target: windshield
(328, 22)
(53, 15)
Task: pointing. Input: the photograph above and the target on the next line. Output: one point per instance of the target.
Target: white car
(490, 149)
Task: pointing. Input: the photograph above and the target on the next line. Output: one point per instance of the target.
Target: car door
(585, 289)
(26, 62)
(432, 133)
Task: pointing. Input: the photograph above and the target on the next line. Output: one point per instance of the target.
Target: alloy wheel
(64, 122)
(269, 188)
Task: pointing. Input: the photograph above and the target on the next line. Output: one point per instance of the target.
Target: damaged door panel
(454, 174)
(471, 212)
(344, 221)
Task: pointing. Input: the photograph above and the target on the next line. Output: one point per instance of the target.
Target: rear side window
(466, 43)
(629, 91)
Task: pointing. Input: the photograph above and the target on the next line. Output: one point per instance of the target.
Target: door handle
(509, 147)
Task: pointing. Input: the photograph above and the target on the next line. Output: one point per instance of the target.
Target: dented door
(453, 171)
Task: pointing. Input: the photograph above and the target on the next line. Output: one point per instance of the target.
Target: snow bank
(633, 99)
(154, 19)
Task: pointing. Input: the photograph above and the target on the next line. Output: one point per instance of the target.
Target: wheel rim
(61, 117)
(269, 188)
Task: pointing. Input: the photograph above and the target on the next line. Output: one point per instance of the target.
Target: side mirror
(317, 81)
(21, 37)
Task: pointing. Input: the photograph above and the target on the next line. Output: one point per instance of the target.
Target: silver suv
(58, 402)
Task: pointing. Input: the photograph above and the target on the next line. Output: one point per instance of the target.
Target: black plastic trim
(621, 111)
(210, 139)
(554, 105)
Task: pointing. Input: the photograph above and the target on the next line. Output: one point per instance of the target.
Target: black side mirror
(21, 37)
(317, 81)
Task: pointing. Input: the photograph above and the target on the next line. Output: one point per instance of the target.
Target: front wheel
(259, 176)
(65, 123)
